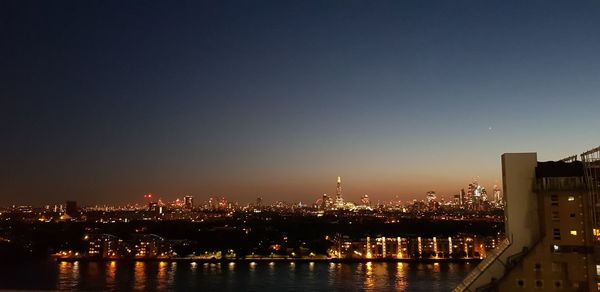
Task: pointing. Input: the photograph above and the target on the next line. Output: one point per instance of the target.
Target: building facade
(550, 228)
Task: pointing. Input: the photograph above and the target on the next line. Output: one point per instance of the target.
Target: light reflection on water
(139, 275)
(256, 276)
(401, 283)
(68, 275)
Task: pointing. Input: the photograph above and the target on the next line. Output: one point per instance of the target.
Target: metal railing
(560, 184)
(492, 257)
(591, 166)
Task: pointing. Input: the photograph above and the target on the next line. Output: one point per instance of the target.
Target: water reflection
(165, 276)
(68, 275)
(111, 274)
(139, 276)
(161, 276)
(369, 281)
(401, 282)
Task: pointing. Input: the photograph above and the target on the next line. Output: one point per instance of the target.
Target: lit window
(573, 232)
(571, 198)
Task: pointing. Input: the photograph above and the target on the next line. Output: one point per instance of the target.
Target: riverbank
(269, 260)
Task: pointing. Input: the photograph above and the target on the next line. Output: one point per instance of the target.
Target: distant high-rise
(462, 197)
(188, 202)
(71, 209)
(431, 197)
(498, 196)
(365, 200)
(325, 202)
(259, 202)
(339, 200)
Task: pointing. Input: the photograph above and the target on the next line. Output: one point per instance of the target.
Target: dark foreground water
(262, 276)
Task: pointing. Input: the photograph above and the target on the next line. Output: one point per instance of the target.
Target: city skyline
(109, 101)
(306, 200)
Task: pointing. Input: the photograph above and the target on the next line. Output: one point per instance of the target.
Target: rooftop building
(551, 227)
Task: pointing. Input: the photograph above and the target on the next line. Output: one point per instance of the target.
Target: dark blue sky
(105, 100)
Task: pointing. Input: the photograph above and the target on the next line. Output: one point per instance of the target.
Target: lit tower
(339, 201)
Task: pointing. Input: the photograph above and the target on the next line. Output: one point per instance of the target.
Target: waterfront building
(382, 247)
(102, 245)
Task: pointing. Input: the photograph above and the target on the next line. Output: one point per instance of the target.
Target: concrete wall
(522, 219)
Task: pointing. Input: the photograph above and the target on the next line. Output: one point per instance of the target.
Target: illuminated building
(325, 202)
(365, 200)
(339, 200)
(498, 200)
(155, 208)
(188, 202)
(150, 246)
(431, 200)
(102, 245)
(551, 226)
(460, 246)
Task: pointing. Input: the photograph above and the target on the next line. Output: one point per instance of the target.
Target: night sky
(104, 101)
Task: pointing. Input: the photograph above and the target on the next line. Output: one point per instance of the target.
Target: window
(537, 267)
(539, 283)
(573, 232)
(520, 283)
(556, 234)
(572, 215)
(555, 215)
(554, 200)
(557, 284)
(571, 198)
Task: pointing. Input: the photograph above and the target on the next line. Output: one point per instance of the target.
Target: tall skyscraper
(463, 197)
(498, 200)
(339, 200)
